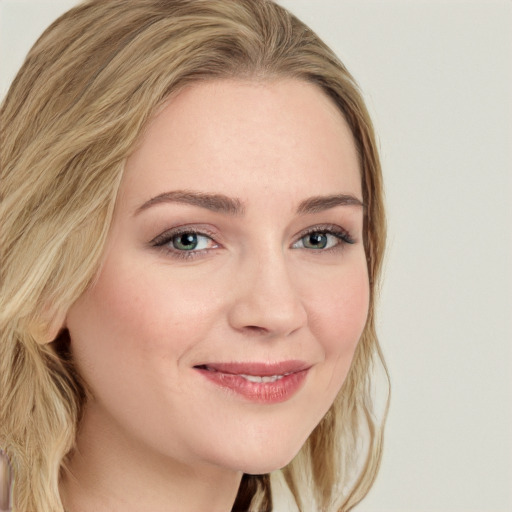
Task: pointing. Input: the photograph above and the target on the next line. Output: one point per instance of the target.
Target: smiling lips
(258, 382)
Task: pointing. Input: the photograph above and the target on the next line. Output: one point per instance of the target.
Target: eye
(190, 241)
(184, 243)
(318, 241)
(323, 239)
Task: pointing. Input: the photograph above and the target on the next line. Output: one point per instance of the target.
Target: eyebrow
(214, 202)
(233, 206)
(321, 203)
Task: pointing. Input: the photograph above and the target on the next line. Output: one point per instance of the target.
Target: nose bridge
(266, 297)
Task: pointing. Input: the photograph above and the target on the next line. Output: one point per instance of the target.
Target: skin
(158, 435)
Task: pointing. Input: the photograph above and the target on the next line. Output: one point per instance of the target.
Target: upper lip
(261, 369)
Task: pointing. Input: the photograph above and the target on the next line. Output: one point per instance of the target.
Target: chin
(266, 458)
(265, 466)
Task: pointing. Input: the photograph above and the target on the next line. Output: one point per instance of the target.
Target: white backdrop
(437, 76)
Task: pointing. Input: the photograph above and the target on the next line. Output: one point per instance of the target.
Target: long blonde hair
(70, 119)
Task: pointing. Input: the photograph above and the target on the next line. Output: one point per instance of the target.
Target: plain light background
(437, 77)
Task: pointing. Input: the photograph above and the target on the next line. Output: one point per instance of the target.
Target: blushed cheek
(105, 323)
(146, 320)
(113, 338)
(346, 316)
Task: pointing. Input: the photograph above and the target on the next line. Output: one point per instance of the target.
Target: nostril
(255, 329)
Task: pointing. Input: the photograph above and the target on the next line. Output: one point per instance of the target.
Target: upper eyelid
(166, 235)
(325, 228)
(322, 229)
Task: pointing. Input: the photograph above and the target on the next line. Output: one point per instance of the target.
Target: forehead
(242, 136)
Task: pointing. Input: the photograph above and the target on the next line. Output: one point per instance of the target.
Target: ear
(45, 332)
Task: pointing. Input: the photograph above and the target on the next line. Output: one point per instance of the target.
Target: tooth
(252, 378)
(256, 378)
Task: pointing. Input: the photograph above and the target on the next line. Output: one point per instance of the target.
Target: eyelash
(164, 240)
(341, 234)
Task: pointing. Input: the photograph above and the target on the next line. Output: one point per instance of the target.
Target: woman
(192, 232)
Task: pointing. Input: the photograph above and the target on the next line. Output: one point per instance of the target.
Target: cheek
(338, 314)
(133, 318)
(105, 329)
(129, 335)
(113, 326)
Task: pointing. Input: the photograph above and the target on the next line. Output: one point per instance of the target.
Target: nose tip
(266, 302)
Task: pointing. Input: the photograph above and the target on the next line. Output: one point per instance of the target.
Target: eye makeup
(338, 237)
(189, 241)
(182, 242)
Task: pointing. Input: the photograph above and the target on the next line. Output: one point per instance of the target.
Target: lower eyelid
(167, 236)
(343, 236)
(164, 243)
(164, 240)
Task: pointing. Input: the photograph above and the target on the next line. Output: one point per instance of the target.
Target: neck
(111, 471)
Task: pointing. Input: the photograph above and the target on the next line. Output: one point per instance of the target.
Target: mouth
(258, 382)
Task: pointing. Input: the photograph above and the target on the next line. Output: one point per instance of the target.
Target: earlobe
(45, 332)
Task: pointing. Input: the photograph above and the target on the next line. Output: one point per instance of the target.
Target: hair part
(72, 116)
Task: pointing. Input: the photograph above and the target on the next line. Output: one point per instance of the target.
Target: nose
(265, 299)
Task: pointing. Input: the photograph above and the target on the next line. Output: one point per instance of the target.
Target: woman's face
(234, 286)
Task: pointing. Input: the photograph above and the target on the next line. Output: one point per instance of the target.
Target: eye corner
(325, 235)
(201, 241)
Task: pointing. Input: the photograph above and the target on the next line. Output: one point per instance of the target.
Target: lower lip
(261, 392)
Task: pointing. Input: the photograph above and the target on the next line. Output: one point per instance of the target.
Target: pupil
(318, 240)
(186, 241)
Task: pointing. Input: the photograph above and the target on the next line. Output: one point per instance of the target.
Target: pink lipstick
(268, 383)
